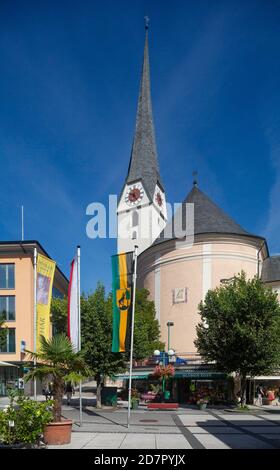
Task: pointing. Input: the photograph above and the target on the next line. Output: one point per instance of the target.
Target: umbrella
(7, 364)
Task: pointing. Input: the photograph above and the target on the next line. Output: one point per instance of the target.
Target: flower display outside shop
(164, 372)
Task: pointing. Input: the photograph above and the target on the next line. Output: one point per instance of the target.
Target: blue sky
(69, 82)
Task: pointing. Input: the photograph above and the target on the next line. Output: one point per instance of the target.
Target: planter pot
(135, 405)
(58, 433)
(202, 406)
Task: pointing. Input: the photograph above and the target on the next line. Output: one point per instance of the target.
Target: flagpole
(22, 224)
(79, 324)
(35, 316)
(132, 333)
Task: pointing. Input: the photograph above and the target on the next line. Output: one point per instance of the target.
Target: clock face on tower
(159, 199)
(134, 194)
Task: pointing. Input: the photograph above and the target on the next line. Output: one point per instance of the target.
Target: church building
(177, 274)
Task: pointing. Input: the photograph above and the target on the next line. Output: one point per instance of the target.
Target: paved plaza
(182, 429)
(185, 428)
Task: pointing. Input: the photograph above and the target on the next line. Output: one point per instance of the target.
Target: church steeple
(143, 161)
(141, 209)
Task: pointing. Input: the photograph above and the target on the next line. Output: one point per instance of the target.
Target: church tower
(141, 208)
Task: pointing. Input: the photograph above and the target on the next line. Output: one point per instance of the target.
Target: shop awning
(7, 364)
(187, 374)
(266, 377)
(138, 375)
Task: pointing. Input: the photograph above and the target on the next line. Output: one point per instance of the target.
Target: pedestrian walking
(69, 392)
(260, 395)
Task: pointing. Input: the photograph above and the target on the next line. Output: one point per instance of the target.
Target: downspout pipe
(258, 259)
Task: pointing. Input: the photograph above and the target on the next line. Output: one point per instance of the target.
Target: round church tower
(178, 275)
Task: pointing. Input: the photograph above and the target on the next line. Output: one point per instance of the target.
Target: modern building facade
(17, 303)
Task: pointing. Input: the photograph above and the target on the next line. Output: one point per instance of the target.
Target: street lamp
(170, 353)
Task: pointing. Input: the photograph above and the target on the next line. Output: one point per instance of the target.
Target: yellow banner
(45, 275)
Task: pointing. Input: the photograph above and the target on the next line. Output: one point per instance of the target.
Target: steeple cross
(147, 22)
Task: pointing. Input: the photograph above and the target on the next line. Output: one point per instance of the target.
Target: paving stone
(172, 442)
(105, 441)
(272, 429)
(240, 417)
(211, 442)
(213, 430)
(275, 437)
(272, 416)
(196, 420)
(139, 441)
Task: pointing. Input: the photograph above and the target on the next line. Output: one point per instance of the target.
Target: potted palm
(57, 360)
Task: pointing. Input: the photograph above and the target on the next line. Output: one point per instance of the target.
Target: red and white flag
(73, 305)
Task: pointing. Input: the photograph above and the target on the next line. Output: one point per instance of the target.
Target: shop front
(264, 390)
(191, 385)
(186, 386)
(9, 374)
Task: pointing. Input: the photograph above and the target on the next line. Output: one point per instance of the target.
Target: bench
(162, 406)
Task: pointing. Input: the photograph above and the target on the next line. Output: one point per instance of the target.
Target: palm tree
(58, 360)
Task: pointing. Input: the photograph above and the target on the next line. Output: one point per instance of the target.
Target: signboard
(200, 374)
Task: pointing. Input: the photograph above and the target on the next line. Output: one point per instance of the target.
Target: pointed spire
(143, 161)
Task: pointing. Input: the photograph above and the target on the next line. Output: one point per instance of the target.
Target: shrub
(23, 421)
(135, 395)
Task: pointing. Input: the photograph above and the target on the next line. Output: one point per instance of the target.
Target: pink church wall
(163, 268)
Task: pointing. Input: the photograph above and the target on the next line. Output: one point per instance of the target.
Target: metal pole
(79, 325)
(168, 326)
(22, 224)
(132, 333)
(35, 316)
(163, 378)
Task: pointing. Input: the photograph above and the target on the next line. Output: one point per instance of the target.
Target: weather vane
(147, 22)
(195, 178)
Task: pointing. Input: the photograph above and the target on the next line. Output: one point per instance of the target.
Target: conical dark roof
(208, 218)
(271, 269)
(143, 161)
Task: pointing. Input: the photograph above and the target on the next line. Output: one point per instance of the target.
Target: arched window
(135, 219)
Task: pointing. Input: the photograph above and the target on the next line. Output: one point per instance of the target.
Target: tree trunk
(243, 388)
(99, 384)
(58, 390)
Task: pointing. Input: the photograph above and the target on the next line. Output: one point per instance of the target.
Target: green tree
(59, 315)
(146, 331)
(240, 328)
(96, 332)
(96, 329)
